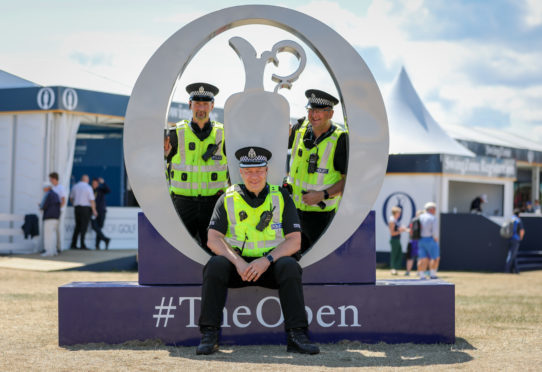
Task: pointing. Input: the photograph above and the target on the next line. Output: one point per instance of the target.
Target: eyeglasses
(318, 110)
(257, 171)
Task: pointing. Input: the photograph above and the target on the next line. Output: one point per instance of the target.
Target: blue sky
(474, 63)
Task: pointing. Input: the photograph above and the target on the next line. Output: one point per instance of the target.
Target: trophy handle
(254, 66)
(297, 50)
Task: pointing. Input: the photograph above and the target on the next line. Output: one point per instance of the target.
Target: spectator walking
(513, 245)
(396, 254)
(100, 190)
(82, 197)
(428, 249)
(61, 192)
(50, 205)
(414, 236)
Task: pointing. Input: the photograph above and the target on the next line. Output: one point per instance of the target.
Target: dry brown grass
(498, 327)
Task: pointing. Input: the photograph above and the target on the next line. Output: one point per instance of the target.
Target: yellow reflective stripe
(230, 205)
(184, 185)
(197, 185)
(310, 187)
(275, 201)
(298, 135)
(202, 168)
(215, 185)
(236, 243)
(181, 148)
(323, 162)
(329, 202)
(272, 243)
(219, 134)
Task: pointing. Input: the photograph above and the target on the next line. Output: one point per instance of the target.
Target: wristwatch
(270, 258)
(326, 195)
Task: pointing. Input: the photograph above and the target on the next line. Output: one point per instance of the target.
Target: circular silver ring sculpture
(361, 100)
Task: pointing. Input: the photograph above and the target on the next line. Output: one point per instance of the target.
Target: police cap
(202, 92)
(250, 157)
(320, 99)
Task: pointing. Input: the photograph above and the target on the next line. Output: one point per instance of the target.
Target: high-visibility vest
(192, 176)
(325, 174)
(242, 233)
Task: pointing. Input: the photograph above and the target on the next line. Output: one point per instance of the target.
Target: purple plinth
(342, 298)
(388, 311)
(352, 262)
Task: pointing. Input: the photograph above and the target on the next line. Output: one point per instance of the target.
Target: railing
(12, 238)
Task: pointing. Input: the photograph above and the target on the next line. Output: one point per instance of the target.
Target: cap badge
(313, 96)
(252, 153)
(201, 89)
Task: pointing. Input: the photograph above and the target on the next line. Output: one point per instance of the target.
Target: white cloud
(533, 13)
(452, 77)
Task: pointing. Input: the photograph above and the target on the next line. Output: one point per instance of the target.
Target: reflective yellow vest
(242, 234)
(325, 174)
(190, 174)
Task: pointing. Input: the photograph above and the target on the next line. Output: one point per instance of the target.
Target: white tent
(412, 128)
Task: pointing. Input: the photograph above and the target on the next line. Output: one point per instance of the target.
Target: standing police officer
(254, 232)
(318, 166)
(199, 170)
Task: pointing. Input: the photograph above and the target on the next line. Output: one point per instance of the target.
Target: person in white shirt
(428, 248)
(59, 189)
(82, 198)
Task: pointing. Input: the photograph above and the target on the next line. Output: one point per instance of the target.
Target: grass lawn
(498, 327)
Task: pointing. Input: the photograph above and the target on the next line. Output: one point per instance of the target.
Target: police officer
(198, 167)
(253, 232)
(317, 166)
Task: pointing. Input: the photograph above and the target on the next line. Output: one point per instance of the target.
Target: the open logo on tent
(46, 98)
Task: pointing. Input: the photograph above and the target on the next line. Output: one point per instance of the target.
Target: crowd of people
(423, 241)
(89, 207)
(422, 245)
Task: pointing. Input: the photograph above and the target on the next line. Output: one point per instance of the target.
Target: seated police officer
(253, 232)
(196, 156)
(318, 166)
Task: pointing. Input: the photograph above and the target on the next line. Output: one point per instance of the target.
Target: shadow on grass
(342, 354)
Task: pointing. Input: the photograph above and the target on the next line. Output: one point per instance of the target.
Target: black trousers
(82, 218)
(196, 213)
(313, 225)
(511, 265)
(285, 275)
(97, 224)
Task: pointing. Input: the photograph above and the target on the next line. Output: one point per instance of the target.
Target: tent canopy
(412, 128)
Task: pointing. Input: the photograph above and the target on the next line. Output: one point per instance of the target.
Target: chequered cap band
(320, 101)
(199, 93)
(256, 159)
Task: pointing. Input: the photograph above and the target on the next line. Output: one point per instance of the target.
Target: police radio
(211, 150)
(313, 161)
(265, 218)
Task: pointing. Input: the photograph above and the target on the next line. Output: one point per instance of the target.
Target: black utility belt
(199, 197)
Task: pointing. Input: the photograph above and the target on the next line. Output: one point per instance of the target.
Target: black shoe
(107, 240)
(209, 341)
(298, 342)
(84, 247)
(98, 245)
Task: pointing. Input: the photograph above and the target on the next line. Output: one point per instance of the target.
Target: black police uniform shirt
(290, 220)
(201, 133)
(341, 151)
